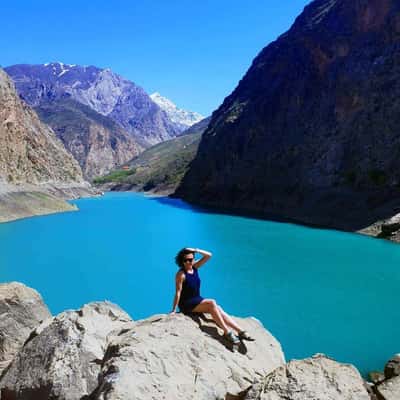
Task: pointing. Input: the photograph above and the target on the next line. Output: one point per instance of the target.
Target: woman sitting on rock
(187, 294)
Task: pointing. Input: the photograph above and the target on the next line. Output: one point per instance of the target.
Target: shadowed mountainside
(311, 131)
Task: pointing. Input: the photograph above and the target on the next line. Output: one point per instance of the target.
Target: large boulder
(316, 378)
(389, 389)
(390, 225)
(392, 367)
(182, 357)
(62, 358)
(21, 310)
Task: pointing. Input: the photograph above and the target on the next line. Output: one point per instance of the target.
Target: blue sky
(193, 52)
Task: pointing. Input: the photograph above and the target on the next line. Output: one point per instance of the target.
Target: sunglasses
(188, 259)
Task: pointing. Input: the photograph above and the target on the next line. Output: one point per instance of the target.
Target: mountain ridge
(96, 141)
(102, 90)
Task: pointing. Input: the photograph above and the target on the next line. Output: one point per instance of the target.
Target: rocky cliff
(311, 131)
(34, 164)
(100, 89)
(29, 150)
(99, 352)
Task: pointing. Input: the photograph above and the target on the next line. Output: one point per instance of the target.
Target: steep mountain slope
(33, 162)
(29, 150)
(161, 167)
(176, 115)
(311, 131)
(100, 89)
(97, 142)
(198, 127)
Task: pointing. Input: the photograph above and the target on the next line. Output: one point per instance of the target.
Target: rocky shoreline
(100, 352)
(26, 200)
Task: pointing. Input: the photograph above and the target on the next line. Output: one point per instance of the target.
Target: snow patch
(175, 114)
(63, 72)
(63, 69)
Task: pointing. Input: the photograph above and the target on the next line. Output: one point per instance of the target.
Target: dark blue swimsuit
(190, 295)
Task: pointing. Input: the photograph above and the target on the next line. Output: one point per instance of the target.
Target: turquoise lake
(317, 291)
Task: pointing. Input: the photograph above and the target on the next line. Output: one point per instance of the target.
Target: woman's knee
(211, 304)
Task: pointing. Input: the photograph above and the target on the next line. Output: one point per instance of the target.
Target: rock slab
(316, 378)
(21, 309)
(177, 357)
(389, 389)
(62, 358)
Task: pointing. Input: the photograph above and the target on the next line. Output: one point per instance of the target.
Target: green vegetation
(115, 176)
(350, 177)
(377, 177)
(160, 167)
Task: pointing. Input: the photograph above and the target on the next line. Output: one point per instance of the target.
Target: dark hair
(181, 255)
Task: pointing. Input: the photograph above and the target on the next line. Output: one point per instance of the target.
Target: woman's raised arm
(206, 255)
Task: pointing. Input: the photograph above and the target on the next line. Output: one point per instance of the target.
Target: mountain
(159, 168)
(34, 165)
(96, 141)
(311, 131)
(198, 127)
(176, 115)
(100, 89)
(30, 152)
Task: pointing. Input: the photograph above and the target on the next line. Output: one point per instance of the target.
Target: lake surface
(315, 290)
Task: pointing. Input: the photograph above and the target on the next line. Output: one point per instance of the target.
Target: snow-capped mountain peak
(175, 114)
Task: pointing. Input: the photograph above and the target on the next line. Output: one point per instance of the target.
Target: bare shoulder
(180, 275)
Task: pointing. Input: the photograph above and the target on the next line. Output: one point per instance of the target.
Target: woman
(187, 294)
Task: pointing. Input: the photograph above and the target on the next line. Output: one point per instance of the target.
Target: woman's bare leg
(229, 321)
(210, 306)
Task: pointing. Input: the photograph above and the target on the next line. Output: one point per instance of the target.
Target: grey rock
(391, 225)
(177, 357)
(21, 310)
(392, 367)
(390, 389)
(62, 357)
(316, 378)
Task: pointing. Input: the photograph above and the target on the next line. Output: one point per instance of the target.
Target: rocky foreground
(99, 352)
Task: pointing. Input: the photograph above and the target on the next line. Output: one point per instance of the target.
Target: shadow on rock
(212, 331)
